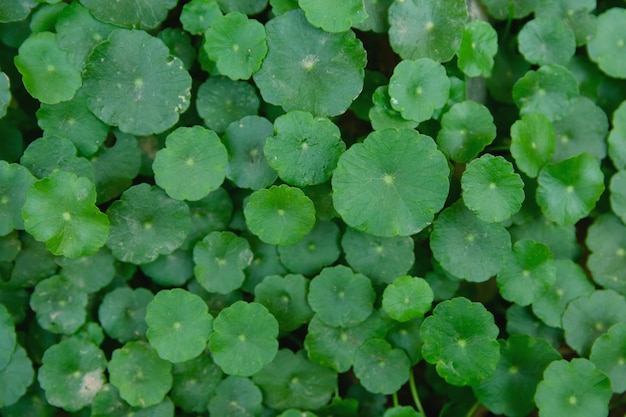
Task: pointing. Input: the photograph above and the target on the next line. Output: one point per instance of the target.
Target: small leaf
(280, 215)
(60, 307)
(318, 249)
(606, 46)
(460, 339)
(15, 377)
(547, 40)
(15, 180)
(197, 15)
(244, 338)
(194, 383)
(72, 373)
(192, 164)
(333, 16)
(179, 325)
(532, 143)
(221, 101)
(607, 353)
(397, 172)
(380, 367)
(286, 299)
(418, 88)
(236, 396)
(340, 297)
(130, 13)
(236, 44)
(383, 116)
(89, 273)
(569, 190)
(15, 10)
(576, 389)
(122, 313)
(479, 45)
(407, 298)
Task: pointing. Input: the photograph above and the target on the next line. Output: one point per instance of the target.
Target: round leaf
(222, 101)
(427, 30)
(316, 250)
(576, 389)
(340, 297)
(72, 373)
(194, 383)
(237, 397)
(460, 339)
(124, 79)
(547, 40)
(528, 274)
(14, 181)
(418, 88)
(179, 325)
(122, 313)
(568, 190)
(532, 143)
(305, 149)
(89, 273)
(192, 164)
(397, 172)
(130, 13)
(321, 73)
(607, 353)
(60, 306)
(383, 116)
(280, 215)
(170, 270)
(15, 377)
(60, 210)
(220, 259)
(468, 247)
(145, 223)
(333, 16)
(108, 403)
(285, 298)
(197, 15)
(492, 189)
(236, 44)
(606, 239)
(244, 338)
(479, 45)
(46, 70)
(466, 128)
(606, 47)
(142, 377)
(381, 368)
(407, 298)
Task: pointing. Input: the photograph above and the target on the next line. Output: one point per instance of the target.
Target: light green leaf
(15, 10)
(333, 16)
(321, 73)
(532, 143)
(479, 45)
(383, 116)
(407, 298)
(397, 172)
(124, 79)
(197, 15)
(130, 13)
(5, 94)
(192, 164)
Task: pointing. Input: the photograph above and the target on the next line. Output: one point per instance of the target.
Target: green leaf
(89, 273)
(340, 297)
(606, 46)
(212, 213)
(170, 270)
(142, 377)
(221, 101)
(406, 336)
(15, 377)
(569, 190)
(192, 164)
(245, 140)
(108, 403)
(335, 347)
(532, 143)
(618, 194)
(291, 381)
(179, 43)
(590, 316)
(383, 116)
(46, 70)
(286, 299)
(179, 325)
(318, 249)
(460, 339)
(15, 10)
(576, 389)
(248, 7)
(321, 73)
(220, 259)
(194, 383)
(236, 44)
(418, 88)
(492, 189)
(427, 30)
(380, 367)
(122, 313)
(407, 298)
(607, 353)
(528, 274)
(237, 397)
(145, 223)
(130, 13)
(244, 338)
(521, 320)
(72, 373)
(404, 411)
(397, 172)
(560, 239)
(377, 16)
(467, 247)
(510, 9)
(52, 153)
(617, 137)
(15, 180)
(510, 390)
(333, 16)
(8, 338)
(60, 306)
(548, 91)
(571, 282)
(547, 40)
(197, 15)
(123, 80)
(280, 215)
(32, 264)
(479, 45)
(466, 128)
(305, 149)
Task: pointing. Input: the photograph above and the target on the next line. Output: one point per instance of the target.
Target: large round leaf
(396, 172)
(309, 69)
(333, 16)
(607, 45)
(125, 77)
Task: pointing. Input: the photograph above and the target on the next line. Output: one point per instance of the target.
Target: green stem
(472, 410)
(416, 398)
(509, 21)
(395, 399)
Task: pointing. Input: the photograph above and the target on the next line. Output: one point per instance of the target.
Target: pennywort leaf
(601, 46)
(333, 16)
(532, 143)
(407, 298)
(130, 13)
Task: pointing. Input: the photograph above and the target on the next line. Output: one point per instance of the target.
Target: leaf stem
(416, 398)
(509, 21)
(472, 410)
(395, 399)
